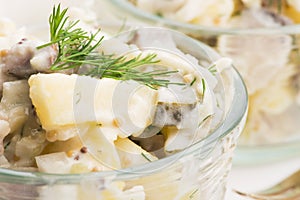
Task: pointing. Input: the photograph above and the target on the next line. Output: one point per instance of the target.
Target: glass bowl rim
(239, 105)
(133, 11)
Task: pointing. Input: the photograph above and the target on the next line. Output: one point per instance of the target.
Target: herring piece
(23, 59)
(15, 106)
(278, 95)
(198, 93)
(177, 106)
(4, 131)
(66, 100)
(249, 51)
(175, 114)
(28, 147)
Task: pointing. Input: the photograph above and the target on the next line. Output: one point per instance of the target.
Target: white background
(253, 178)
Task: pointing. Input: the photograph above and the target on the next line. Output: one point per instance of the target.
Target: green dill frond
(76, 48)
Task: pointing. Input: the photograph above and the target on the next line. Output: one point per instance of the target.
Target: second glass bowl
(269, 62)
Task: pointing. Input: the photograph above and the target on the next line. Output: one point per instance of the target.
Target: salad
(221, 13)
(144, 115)
(80, 103)
(262, 38)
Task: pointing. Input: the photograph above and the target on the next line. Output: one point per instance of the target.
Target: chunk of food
(14, 108)
(91, 151)
(66, 100)
(168, 188)
(100, 146)
(174, 114)
(278, 95)
(209, 13)
(132, 154)
(59, 163)
(293, 10)
(257, 68)
(24, 59)
(90, 147)
(4, 131)
(21, 59)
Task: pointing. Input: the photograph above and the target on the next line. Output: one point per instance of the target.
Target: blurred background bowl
(268, 59)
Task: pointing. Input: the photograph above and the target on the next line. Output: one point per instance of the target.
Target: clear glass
(272, 127)
(198, 172)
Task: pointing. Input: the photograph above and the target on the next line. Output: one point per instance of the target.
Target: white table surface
(257, 177)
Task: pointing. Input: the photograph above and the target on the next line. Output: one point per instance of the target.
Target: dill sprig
(145, 156)
(76, 48)
(212, 69)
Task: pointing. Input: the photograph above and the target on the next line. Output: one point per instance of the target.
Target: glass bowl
(268, 60)
(197, 172)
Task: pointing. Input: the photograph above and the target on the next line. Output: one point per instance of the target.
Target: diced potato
(178, 139)
(132, 154)
(67, 146)
(100, 147)
(65, 100)
(63, 163)
(167, 188)
(110, 191)
(62, 134)
(100, 153)
(293, 13)
(59, 191)
(53, 97)
(53, 163)
(115, 191)
(134, 193)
